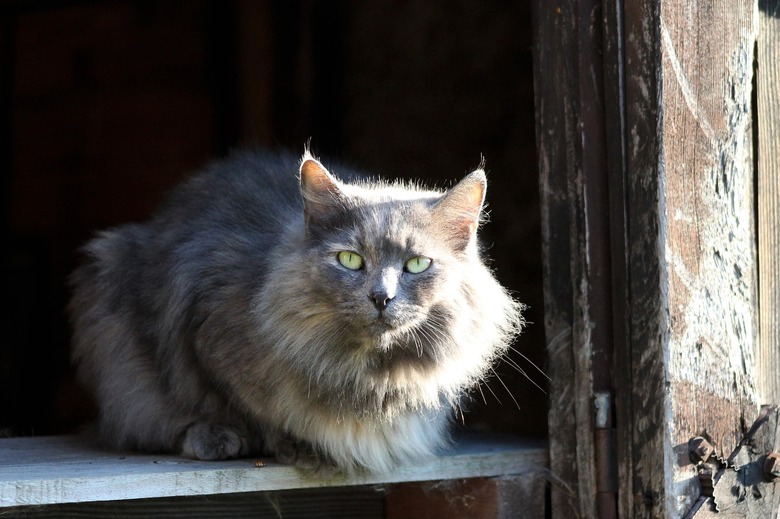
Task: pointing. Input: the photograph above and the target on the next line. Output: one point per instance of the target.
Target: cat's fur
(226, 326)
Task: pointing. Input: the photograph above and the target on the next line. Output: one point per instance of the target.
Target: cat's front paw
(209, 442)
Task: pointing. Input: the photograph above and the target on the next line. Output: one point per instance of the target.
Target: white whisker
(505, 387)
(530, 362)
(520, 370)
(493, 393)
(479, 386)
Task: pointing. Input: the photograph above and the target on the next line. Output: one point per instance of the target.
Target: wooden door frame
(564, 49)
(646, 177)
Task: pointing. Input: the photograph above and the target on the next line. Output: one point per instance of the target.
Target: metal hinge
(747, 483)
(606, 455)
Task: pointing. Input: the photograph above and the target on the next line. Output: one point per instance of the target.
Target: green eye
(350, 260)
(418, 264)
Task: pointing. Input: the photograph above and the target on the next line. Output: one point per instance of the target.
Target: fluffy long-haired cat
(270, 307)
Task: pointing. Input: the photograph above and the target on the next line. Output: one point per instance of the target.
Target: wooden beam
(768, 117)
(707, 229)
(365, 502)
(640, 364)
(579, 137)
(71, 469)
(555, 84)
(691, 364)
(515, 497)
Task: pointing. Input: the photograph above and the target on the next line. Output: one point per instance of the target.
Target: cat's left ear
(458, 212)
(323, 199)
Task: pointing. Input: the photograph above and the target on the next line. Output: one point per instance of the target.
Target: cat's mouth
(393, 319)
(387, 322)
(382, 322)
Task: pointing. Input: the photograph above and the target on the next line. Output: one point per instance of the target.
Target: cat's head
(382, 298)
(390, 256)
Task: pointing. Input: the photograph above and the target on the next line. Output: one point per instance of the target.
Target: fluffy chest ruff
(361, 404)
(372, 444)
(355, 416)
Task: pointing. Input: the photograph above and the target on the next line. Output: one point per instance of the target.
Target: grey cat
(332, 324)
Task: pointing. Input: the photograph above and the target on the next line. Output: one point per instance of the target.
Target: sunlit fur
(227, 326)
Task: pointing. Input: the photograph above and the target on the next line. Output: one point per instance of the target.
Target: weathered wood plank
(768, 82)
(554, 84)
(682, 263)
(515, 497)
(690, 369)
(46, 470)
(319, 503)
(577, 62)
(508, 497)
(707, 228)
(640, 366)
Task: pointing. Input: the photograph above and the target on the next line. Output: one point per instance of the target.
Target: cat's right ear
(323, 200)
(459, 210)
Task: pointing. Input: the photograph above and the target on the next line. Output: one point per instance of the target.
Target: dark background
(106, 105)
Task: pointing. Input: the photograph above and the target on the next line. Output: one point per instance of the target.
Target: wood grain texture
(681, 234)
(706, 214)
(506, 497)
(509, 497)
(319, 503)
(768, 115)
(554, 84)
(67, 469)
(580, 140)
(640, 372)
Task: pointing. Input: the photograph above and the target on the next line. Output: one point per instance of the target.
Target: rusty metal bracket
(700, 449)
(747, 484)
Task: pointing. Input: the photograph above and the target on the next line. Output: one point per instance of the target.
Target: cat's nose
(380, 299)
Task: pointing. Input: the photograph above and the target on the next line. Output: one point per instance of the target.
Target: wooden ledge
(75, 469)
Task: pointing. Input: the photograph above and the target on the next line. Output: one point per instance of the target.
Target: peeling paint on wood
(707, 224)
